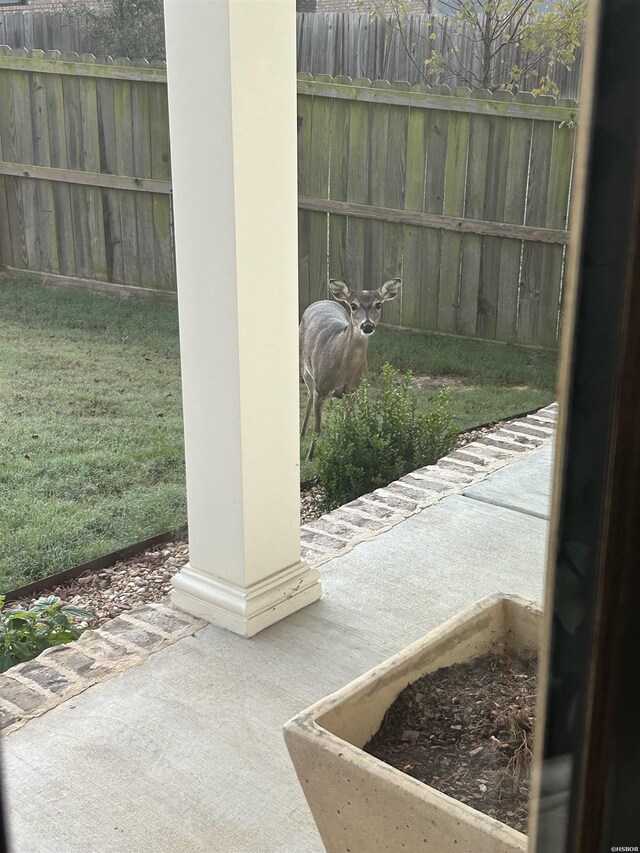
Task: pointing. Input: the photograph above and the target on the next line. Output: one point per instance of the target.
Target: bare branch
(408, 49)
(525, 11)
(454, 71)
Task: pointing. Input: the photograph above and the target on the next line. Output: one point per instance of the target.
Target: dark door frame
(586, 792)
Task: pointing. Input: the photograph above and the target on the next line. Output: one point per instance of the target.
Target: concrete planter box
(362, 805)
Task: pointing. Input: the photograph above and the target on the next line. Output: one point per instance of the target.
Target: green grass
(91, 444)
(91, 448)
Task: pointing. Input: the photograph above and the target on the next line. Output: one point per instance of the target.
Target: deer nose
(367, 327)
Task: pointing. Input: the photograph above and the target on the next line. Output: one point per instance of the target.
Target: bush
(368, 442)
(26, 633)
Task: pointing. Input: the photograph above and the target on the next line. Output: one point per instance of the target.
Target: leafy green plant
(368, 441)
(26, 633)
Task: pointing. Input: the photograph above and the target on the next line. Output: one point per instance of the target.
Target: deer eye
(354, 306)
(378, 306)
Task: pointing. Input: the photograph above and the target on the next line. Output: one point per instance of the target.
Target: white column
(232, 107)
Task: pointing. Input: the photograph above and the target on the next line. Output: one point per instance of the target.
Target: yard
(91, 452)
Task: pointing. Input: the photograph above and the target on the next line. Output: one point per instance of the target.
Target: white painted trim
(246, 611)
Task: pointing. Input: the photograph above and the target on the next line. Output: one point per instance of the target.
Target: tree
(132, 28)
(491, 44)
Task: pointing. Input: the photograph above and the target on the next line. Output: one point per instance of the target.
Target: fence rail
(465, 194)
(360, 45)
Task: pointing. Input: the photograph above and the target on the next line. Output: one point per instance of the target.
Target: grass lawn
(91, 447)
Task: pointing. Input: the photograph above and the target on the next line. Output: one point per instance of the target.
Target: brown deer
(334, 343)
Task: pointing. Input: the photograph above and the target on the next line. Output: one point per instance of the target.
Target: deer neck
(355, 348)
(355, 340)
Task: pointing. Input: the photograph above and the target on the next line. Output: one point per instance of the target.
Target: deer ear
(339, 290)
(390, 289)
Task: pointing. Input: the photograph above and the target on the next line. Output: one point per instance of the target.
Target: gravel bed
(128, 584)
(147, 577)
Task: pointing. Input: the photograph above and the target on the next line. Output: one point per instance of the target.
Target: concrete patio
(184, 752)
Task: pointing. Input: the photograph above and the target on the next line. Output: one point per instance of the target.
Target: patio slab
(524, 485)
(185, 752)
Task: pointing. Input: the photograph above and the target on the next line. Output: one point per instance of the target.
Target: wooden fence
(46, 31)
(464, 194)
(334, 43)
(85, 176)
(359, 45)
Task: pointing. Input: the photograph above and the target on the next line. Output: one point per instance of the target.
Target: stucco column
(232, 108)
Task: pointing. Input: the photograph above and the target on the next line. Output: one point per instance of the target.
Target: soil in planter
(467, 730)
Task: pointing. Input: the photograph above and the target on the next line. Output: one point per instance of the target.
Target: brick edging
(30, 689)
(337, 532)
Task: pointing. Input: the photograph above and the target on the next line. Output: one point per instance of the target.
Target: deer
(333, 344)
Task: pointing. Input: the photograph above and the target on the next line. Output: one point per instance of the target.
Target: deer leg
(308, 381)
(317, 423)
(306, 415)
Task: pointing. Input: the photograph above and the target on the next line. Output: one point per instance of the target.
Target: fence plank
(379, 133)
(109, 165)
(122, 98)
(91, 162)
(357, 190)
(47, 229)
(304, 217)
(58, 159)
(77, 194)
(497, 166)
(56, 32)
(412, 292)
(319, 187)
(339, 166)
(437, 122)
(39, 40)
(161, 170)
(553, 256)
(395, 190)
(6, 251)
(13, 195)
(454, 189)
(21, 94)
(533, 254)
(140, 109)
(474, 209)
(514, 207)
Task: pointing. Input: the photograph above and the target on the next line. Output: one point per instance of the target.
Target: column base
(246, 611)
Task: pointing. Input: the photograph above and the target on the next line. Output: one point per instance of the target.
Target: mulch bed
(467, 730)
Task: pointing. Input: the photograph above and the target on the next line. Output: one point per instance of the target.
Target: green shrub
(370, 441)
(26, 633)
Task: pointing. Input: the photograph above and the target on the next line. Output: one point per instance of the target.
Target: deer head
(365, 306)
